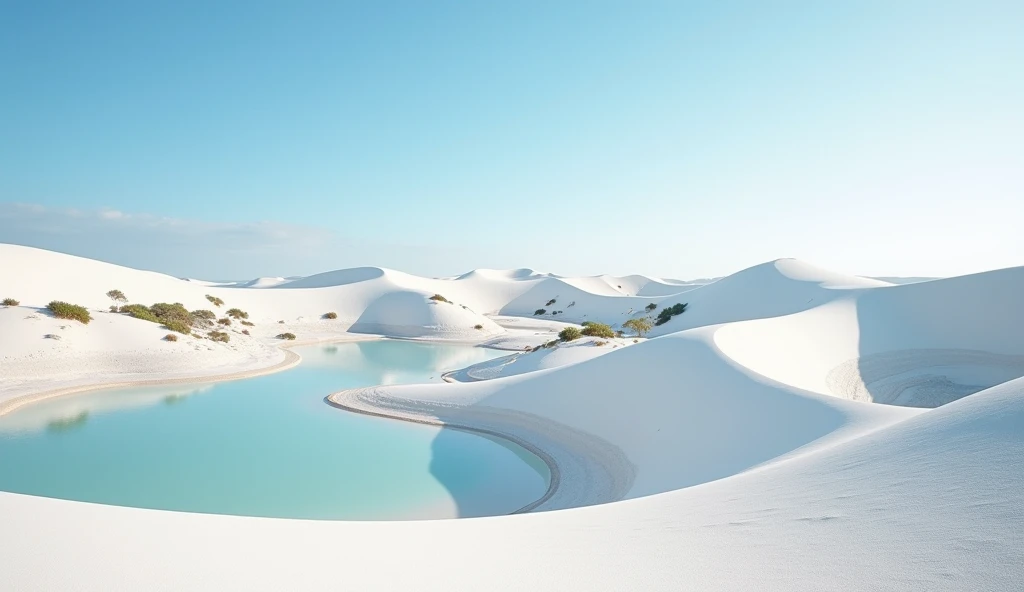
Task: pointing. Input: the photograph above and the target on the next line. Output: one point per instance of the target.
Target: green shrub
(178, 326)
(550, 302)
(10, 302)
(539, 312)
(117, 296)
(569, 334)
(171, 312)
(330, 315)
(214, 300)
(439, 298)
(219, 336)
(115, 308)
(478, 326)
(237, 313)
(666, 314)
(650, 307)
(248, 324)
(225, 321)
(202, 318)
(139, 311)
(63, 310)
(640, 325)
(598, 330)
(288, 336)
(170, 337)
(587, 323)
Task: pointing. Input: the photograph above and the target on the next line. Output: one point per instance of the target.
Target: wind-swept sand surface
(739, 443)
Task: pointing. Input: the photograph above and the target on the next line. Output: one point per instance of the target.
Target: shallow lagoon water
(269, 446)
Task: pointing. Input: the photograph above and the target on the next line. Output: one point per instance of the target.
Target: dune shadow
(929, 344)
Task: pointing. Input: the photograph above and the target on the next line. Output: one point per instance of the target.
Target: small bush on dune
(666, 314)
(214, 300)
(587, 323)
(550, 302)
(280, 322)
(640, 325)
(10, 302)
(569, 334)
(478, 326)
(439, 298)
(170, 337)
(288, 336)
(115, 308)
(539, 312)
(202, 318)
(248, 324)
(245, 331)
(330, 315)
(178, 326)
(139, 311)
(600, 343)
(237, 313)
(598, 330)
(117, 296)
(224, 321)
(650, 307)
(172, 312)
(64, 310)
(219, 336)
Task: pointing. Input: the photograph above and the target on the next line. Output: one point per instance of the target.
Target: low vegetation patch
(330, 315)
(64, 310)
(478, 327)
(178, 326)
(248, 324)
(600, 343)
(650, 307)
(139, 311)
(117, 296)
(10, 302)
(288, 336)
(539, 312)
(569, 334)
(225, 321)
(439, 298)
(666, 314)
(550, 302)
(219, 336)
(640, 325)
(245, 331)
(170, 337)
(598, 330)
(214, 300)
(172, 312)
(237, 313)
(202, 318)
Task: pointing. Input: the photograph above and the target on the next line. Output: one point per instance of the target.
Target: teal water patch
(270, 446)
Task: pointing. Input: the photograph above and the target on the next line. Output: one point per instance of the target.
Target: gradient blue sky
(682, 139)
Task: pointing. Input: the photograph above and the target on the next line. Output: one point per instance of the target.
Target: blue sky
(682, 139)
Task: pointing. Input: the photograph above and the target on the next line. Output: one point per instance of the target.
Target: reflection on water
(68, 423)
(268, 446)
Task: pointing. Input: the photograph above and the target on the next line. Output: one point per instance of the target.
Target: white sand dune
(738, 451)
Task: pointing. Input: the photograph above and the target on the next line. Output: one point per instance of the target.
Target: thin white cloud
(194, 248)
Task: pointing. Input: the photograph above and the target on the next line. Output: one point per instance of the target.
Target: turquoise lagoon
(269, 446)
